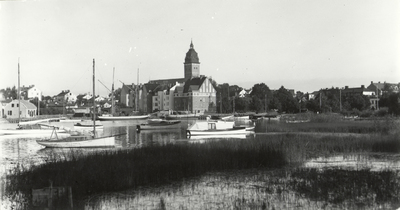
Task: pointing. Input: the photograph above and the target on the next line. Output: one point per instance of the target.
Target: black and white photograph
(182, 104)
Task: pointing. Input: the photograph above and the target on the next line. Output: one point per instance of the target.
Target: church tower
(192, 64)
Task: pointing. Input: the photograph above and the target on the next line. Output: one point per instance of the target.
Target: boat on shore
(215, 128)
(154, 124)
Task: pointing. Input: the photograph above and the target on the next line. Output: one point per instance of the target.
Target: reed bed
(266, 189)
(383, 126)
(111, 171)
(93, 176)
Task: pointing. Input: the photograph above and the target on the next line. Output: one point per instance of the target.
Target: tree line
(263, 99)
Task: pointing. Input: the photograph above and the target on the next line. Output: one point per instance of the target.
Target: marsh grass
(102, 172)
(362, 188)
(111, 171)
(323, 124)
(266, 189)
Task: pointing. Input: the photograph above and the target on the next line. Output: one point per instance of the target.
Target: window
(211, 126)
(12, 105)
(17, 105)
(9, 112)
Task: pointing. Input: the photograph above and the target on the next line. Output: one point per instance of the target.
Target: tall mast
(19, 96)
(112, 96)
(94, 102)
(137, 91)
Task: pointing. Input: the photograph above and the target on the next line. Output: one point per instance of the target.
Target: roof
(149, 87)
(191, 55)
(63, 93)
(168, 81)
(191, 83)
(26, 103)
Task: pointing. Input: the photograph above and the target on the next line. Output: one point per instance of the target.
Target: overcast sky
(301, 44)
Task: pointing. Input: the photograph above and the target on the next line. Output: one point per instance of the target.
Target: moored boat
(88, 140)
(215, 128)
(153, 124)
(116, 118)
(79, 142)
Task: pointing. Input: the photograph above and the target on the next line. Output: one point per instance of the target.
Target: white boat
(75, 141)
(87, 125)
(116, 118)
(32, 128)
(208, 137)
(154, 124)
(79, 142)
(215, 128)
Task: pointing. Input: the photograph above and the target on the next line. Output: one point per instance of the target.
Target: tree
(391, 101)
(286, 99)
(259, 96)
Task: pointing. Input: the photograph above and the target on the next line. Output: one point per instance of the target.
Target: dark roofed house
(197, 96)
(380, 88)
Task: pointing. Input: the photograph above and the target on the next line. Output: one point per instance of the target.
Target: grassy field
(117, 171)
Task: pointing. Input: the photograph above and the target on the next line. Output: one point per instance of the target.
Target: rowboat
(215, 128)
(154, 124)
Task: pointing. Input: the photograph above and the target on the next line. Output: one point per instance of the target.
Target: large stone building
(194, 93)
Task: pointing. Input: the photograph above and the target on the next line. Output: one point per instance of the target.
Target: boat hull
(233, 131)
(115, 118)
(157, 126)
(29, 131)
(79, 143)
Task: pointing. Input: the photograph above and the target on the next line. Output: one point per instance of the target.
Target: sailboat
(31, 129)
(112, 117)
(76, 141)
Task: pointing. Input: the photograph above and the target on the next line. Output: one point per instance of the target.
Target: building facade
(27, 109)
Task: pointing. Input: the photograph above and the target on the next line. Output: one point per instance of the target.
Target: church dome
(191, 55)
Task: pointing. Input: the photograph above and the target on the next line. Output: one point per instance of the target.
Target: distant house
(127, 96)
(27, 109)
(65, 97)
(245, 93)
(380, 88)
(3, 104)
(357, 91)
(373, 98)
(146, 93)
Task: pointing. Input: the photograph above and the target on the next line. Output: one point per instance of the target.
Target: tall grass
(322, 124)
(111, 171)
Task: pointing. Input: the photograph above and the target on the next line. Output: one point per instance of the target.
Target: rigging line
(77, 81)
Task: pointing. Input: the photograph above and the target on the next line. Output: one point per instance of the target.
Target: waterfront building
(27, 109)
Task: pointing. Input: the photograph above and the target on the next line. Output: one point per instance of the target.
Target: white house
(27, 109)
(34, 92)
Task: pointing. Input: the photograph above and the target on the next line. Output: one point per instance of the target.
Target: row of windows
(193, 94)
(12, 105)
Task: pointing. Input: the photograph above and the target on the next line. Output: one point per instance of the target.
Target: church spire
(191, 44)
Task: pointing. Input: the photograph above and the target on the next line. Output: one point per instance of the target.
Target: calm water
(211, 191)
(27, 151)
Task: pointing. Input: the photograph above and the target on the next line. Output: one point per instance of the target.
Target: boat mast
(137, 91)
(112, 96)
(94, 103)
(19, 96)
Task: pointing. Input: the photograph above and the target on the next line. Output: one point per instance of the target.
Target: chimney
(346, 87)
(362, 86)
